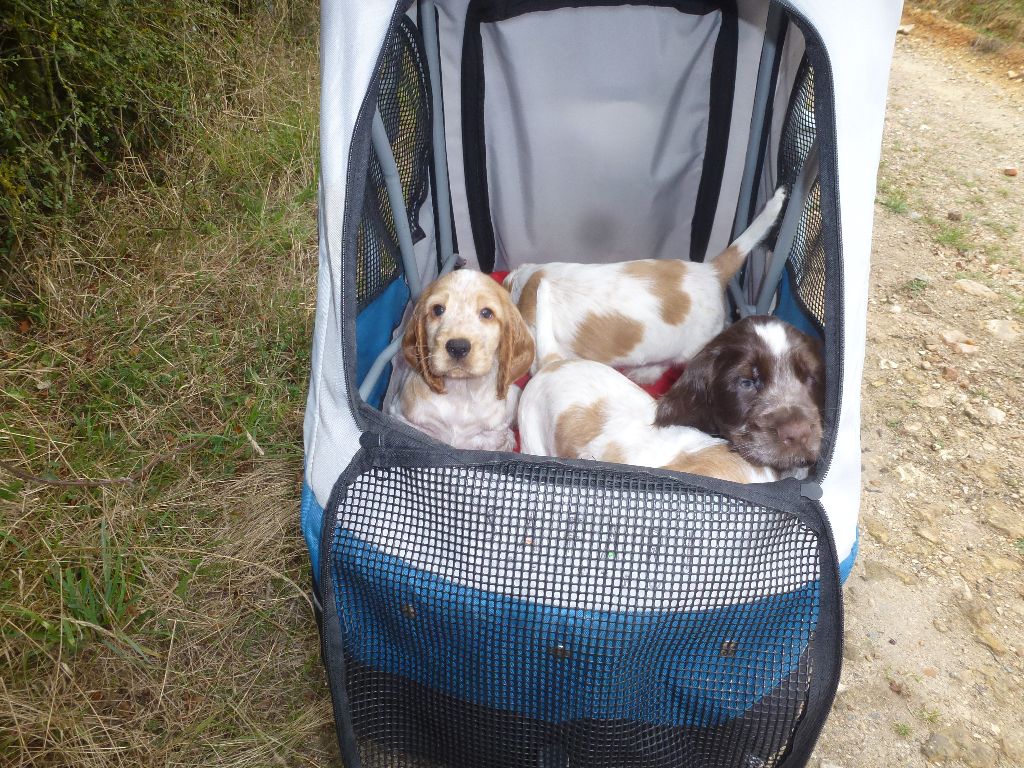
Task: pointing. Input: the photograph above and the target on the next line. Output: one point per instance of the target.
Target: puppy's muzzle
(458, 348)
(798, 433)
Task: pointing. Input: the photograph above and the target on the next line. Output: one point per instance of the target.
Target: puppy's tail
(729, 261)
(544, 330)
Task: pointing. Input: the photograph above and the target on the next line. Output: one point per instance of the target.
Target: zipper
(823, 64)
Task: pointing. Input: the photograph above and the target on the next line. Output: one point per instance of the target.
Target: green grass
(902, 730)
(1002, 20)
(891, 198)
(953, 236)
(165, 621)
(914, 287)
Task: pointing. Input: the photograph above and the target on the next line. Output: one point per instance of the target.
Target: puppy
(639, 316)
(464, 346)
(760, 384)
(580, 409)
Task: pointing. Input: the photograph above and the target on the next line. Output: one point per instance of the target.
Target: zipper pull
(811, 490)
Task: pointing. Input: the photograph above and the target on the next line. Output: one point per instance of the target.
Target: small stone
(1004, 330)
(904, 29)
(940, 748)
(959, 342)
(1007, 523)
(1010, 170)
(876, 529)
(875, 571)
(974, 288)
(977, 754)
(933, 400)
(992, 416)
(1012, 74)
(929, 534)
(929, 671)
(1012, 745)
(955, 216)
(949, 373)
(895, 309)
(994, 643)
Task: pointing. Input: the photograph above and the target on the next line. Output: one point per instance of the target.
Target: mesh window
(528, 614)
(404, 107)
(807, 259)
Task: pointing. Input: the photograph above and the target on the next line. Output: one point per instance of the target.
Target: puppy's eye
(437, 309)
(486, 313)
(748, 384)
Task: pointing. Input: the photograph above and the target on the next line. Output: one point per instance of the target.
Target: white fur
(774, 335)
(579, 290)
(629, 413)
(468, 415)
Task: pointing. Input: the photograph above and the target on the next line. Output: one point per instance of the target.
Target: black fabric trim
(332, 647)
(474, 147)
(766, 132)
(722, 86)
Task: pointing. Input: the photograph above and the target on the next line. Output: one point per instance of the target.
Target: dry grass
(165, 622)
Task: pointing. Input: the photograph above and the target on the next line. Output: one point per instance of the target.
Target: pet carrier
(493, 609)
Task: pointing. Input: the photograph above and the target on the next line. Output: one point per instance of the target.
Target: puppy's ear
(689, 402)
(416, 346)
(516, 349)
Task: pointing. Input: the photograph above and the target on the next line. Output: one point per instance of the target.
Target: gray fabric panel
(596, 124)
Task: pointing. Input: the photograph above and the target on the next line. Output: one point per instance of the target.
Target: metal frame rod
(787, 233)
(400, 214)
(442, 190)
(762, 94)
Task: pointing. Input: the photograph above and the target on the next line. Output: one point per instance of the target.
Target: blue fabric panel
(311, 518)
(847, 565)
(374, 328)
(663, 668)
(788, 308)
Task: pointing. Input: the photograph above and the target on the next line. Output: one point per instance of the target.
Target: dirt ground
(934, 660)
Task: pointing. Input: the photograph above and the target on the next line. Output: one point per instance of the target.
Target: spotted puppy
(464, 346)
(639, 316)
(760, 384)
(581, 409)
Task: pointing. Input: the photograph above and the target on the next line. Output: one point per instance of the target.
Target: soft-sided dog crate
(488, 609)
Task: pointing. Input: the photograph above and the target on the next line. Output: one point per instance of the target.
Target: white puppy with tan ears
(464, 346)
(580, 409)
(641, 316)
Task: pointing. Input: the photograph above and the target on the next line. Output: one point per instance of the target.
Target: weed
(954, 237)
(902, 730)
(914, 287)
(891, 198)
(1020, 545)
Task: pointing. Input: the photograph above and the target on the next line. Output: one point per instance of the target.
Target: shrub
(85, 82)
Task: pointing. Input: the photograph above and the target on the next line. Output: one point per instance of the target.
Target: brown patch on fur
(528, 297)
(728, 263)
(614, 453)
(664, 279)
(715, 461)
(576, 427)
(606, 337)
(415, 346)
(516, 348)
(554, 363)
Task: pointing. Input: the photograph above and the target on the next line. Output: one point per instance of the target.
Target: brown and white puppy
(760, 384)
(639, 316)
(581, 409)
(464, 346)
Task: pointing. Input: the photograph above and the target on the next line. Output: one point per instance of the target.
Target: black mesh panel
(524, 614)
(807, 259)
(404, 107)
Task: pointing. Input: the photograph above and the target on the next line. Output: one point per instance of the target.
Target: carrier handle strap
(762, 94)
(787, 233)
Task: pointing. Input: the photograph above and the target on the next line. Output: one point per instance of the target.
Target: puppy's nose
(458, 348)
(795, 432)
